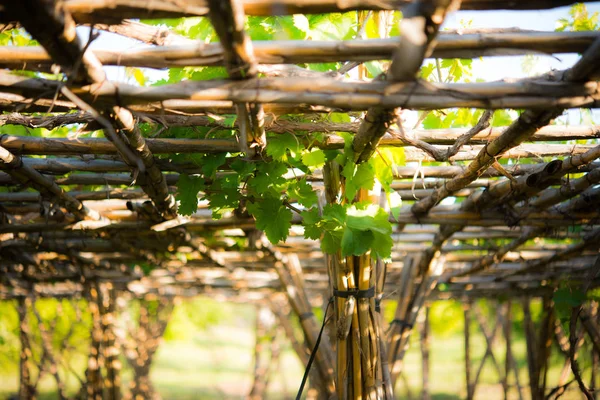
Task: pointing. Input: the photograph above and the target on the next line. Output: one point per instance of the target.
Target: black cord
(313, 354)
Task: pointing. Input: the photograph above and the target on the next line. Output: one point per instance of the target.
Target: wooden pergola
(515, 229)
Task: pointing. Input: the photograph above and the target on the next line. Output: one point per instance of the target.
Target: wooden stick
(591, 327)
(179, 51)
(467, 333)
(27, 175)
(425, 339)
(273, 125)
(115, 10)
(228, 20)
(528, 93)
(97, 146)
(419, 27)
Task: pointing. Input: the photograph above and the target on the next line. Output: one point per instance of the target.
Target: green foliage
(16, 37)
(358, 177)
(446, 318)
(580, 20)
(353, 229)
(279, 146)
(187, 193)
(272, 217)
(193, 314)
(315, 158)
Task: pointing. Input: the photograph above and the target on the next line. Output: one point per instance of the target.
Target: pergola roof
(514, 228)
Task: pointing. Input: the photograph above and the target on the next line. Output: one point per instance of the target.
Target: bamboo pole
(47, 187)
(63, 166)
(425, 339)
(592, 328)
(508, 359)
(467, 334)
(115, 10)
(228, 19)
(182, 51)
(432, 136)
(523, 187)
(26, 389)
(299, 302)
(97, 146)
(328, 92)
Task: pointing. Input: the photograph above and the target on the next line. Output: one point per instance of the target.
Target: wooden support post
(467, 333)
(26, 389)
(425, 338)
(266, 332)
(490, 336)
(106, 305)
(408, 307)
(591, 327)
(290, 276)
(94, 387)
(46, 336)
(228, 19)
(510, 362)
(141, 341)
(595, 317)
(538, 347)
(544, 345)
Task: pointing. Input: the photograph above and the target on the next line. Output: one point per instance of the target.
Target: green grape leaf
(569, 297)
(302, 23)
(303, 193)
(269, 175)
(187, 193)
(310, 221)
(223, 195)
(211, 162)
(334, 213)
(501, 118)
(383, 163)
(243, 168)
(331, 241)
(375, 220)
(382, 245)
(358, 177)
(279, 145)
(356, 242)
(314, 158)
(272, 217)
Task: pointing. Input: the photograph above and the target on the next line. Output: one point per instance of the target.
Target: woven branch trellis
(524, 215)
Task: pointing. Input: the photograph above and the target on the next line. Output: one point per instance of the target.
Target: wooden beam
(530, 93)
(419, 27)
(182, 51)
(116, 10)
(228, 19)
